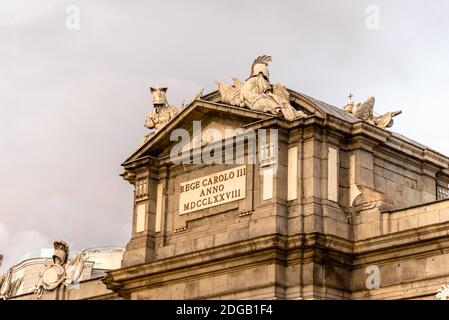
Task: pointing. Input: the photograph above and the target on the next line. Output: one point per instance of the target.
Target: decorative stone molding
(141, 189)
(442, 193)
(180, 229)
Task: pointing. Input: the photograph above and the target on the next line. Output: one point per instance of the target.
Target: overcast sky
(73, 101)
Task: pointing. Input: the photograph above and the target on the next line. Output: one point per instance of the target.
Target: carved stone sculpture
(231, 94)
(162, 113)
(8, 287)
(5, 284)
(256, 93)
(58, 271)
(365, 111)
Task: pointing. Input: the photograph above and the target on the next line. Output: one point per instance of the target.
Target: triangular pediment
(215, 115)
(210, 114)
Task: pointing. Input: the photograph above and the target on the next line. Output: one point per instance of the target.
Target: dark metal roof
(332, 110)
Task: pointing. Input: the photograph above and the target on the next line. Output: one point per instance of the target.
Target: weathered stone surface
(311, 230)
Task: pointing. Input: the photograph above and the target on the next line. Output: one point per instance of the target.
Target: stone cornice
(359, 134)
(422, 241)
(206, 105)
(302, 248)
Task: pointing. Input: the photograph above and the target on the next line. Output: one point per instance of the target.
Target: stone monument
(319, 219)
(257, 191)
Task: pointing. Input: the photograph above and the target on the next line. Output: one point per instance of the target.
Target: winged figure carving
(230, 94)
(257, 94)
(365, 111)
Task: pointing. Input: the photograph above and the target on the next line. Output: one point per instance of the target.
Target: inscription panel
(213, 190)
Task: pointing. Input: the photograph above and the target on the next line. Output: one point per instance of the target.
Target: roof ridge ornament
(257, 94)
(365, 112)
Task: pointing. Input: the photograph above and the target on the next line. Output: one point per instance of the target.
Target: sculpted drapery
(365, 111)
(257, 94)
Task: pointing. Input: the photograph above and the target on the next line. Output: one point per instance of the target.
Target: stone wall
(405, 182)
(411, 249)
(317, 242)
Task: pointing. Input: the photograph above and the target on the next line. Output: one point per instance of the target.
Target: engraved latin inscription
(212, 190)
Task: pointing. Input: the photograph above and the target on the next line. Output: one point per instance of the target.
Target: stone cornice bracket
(357, 205)
(142, 161)
(108, 280)
(129, 176)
